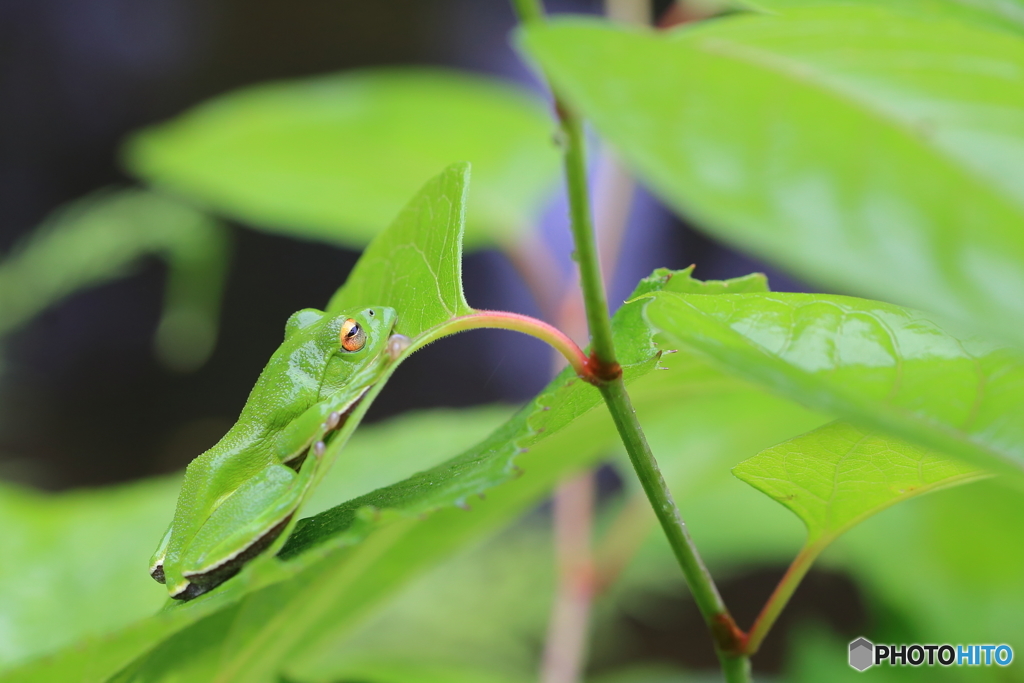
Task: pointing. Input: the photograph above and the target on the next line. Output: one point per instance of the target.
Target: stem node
(730, 639)
(602, 371)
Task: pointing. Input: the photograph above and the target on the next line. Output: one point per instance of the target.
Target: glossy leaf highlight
(877, 364)
(864, 150)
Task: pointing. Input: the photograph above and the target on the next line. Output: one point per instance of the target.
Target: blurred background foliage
(243, 223)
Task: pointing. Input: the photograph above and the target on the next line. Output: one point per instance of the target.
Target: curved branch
(517, 322)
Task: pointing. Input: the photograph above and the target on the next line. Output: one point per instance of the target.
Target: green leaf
(345, 562)
(834, 478)
(837, 475)
(999, 14)
(334, 158)
(380, 455)
(878, 365)
(415, 266)
(863, 150)
(100, 238)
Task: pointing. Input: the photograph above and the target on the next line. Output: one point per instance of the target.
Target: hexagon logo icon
(862, 654)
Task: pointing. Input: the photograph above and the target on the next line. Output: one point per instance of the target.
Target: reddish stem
(781, 595)
(505, 320)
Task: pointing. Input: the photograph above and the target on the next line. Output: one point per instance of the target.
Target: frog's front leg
(242, 527)
(313, 425)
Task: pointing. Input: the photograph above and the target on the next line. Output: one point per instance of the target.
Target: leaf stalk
(505, 320)
(781, 595)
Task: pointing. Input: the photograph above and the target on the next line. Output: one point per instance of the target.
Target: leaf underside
(838, 475)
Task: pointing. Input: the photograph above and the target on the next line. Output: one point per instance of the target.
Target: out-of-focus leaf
(953, 545)
(879, 365)
(838, 475)
(334, 158)
(818, 655)
(495, 599)
(74, 564)
(654, 673)
(999, 14)
(913, 188)
(100, 238)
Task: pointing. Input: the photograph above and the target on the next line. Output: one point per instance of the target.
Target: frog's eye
(352, 337)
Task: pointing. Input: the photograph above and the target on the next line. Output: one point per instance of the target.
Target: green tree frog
(241, 494)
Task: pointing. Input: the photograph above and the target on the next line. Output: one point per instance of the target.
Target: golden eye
(352, 336)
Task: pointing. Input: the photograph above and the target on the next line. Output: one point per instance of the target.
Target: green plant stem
(729, 640)
(781, 595)
(736, 668)
(591, 282)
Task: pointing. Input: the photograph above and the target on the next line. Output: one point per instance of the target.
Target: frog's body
(241, 494)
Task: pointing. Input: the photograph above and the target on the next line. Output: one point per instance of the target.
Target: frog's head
(363, 340)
